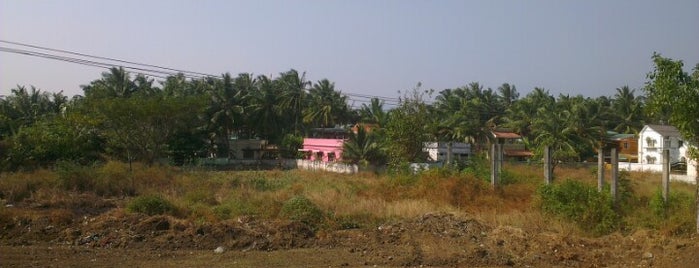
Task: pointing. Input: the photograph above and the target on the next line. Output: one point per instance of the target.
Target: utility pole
(548, 174)
(600, 168)
(666, 174)
(615, 174)
(494, 176)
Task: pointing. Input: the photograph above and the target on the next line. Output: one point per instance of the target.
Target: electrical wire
(138, 68)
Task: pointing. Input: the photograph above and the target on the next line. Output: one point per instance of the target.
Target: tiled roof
(523, 153)
(506, 135)
(665, 130)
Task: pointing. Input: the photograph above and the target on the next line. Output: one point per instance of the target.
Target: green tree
(406, 129)
(674, 94)
(23, 107)
(294, 92)
(521, 114)
(66, 138)
(508, 94)
(362, 148)
(263, 110)
(224, 112)
(374, 113)
(326, 107)
(116, 83)
(628, 111)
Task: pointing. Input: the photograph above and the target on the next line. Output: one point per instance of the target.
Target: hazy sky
(372, 47)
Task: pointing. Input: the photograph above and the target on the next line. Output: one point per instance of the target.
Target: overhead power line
(106, 58)
(136, 67)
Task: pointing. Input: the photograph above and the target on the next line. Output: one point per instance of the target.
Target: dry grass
(363, 199)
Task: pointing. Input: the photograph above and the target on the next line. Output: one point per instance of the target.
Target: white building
(437, 151)
(653, 139)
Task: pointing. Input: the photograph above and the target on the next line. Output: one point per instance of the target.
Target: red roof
(518, 153)
(505, 135)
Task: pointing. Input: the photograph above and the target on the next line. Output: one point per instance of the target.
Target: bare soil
(102, 234)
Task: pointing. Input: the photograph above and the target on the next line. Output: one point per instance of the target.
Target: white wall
(437, 151)
(336, 167)
(690, 177)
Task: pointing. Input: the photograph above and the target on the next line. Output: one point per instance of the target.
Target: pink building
(325, 144)
(326, 150)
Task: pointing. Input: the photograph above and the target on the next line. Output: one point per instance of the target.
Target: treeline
(120, 117)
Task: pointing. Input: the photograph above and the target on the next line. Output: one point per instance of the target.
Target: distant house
(437, 151)
(325, 144)
(627, 144)
(252, 149)
(653, 139)
(512, 145)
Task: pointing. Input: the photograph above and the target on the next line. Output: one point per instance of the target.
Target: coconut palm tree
(361, 148)
(374, 113)
(114, 84)
(264, 112)
(294, 91)
(508, 94)
(224, 112)
(628, 110)
(326, 106)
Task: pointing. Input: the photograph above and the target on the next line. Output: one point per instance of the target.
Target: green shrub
(675, 216)
(114, 179)
(200, 197)
(265, 184)
(591, 210)
(233, 208)
(222, 212)
(479, 167)
(300, 208)
(75, 177)
(151, 205)
(290, 145)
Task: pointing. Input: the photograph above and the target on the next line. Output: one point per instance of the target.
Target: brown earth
(102, 234)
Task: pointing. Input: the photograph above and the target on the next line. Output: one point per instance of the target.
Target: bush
(15, 187)
(300, 208)
(290, 146)
(233, 208)
(75, 177)
(572, 200)
(479, 167)
(674, 216)
(151, 205)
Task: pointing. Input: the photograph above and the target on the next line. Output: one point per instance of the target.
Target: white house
(437, 151)
(653, 139)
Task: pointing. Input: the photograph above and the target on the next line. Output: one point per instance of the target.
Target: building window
(331, 156)
(650, 142)
(626, 145)
(650, 159)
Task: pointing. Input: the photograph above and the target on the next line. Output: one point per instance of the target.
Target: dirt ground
(106, 236)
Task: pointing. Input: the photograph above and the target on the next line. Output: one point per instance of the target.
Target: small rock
(647, 255)
(219, 249)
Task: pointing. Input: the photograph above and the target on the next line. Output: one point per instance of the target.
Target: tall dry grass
(360, 200)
